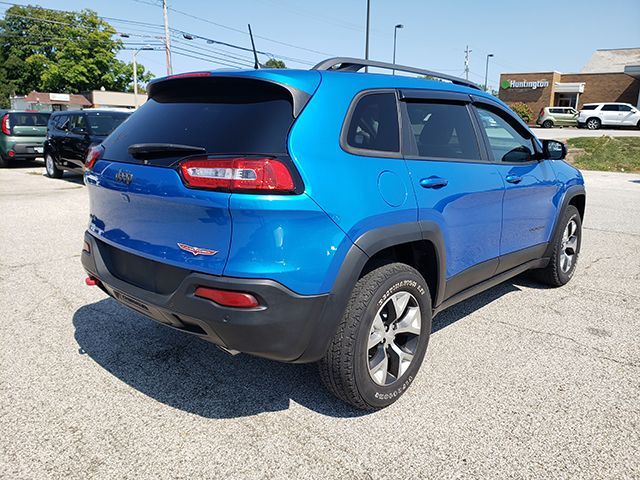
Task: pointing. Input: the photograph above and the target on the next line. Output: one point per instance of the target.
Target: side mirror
(554, 150)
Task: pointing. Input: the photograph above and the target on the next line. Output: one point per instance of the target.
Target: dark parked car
(70, 134)
(21, 135)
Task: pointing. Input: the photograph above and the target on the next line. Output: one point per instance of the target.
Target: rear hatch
(29, 126)
(139, 201)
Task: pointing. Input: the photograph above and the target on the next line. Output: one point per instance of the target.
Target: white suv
(595, 115)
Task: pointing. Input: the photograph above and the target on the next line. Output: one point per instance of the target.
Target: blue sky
(537, 35)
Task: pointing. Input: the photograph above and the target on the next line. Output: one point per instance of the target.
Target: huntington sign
(524, 84)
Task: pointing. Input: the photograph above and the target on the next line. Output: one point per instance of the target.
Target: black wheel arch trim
(572, 192)
(365, 246)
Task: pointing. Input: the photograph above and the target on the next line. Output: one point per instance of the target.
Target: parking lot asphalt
(521, 381)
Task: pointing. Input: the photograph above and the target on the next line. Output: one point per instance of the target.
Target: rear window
(221, 115)
(27, 119)
(374, 124)
(589, 107)
(103, 123)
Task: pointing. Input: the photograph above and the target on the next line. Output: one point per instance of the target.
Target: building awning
(575, 87)
(57, 99)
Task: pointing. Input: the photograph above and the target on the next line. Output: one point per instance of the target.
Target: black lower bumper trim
(281, 329)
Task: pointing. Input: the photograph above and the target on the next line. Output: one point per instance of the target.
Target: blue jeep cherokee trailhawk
(324, 215)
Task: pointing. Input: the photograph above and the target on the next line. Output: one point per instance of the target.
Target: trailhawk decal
(195, 250)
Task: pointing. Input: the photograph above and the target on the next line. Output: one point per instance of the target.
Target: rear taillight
(92, 157)
(541, 113)
(6, 128)
(260, 175)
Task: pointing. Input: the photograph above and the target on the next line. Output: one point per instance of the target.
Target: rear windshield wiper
(159, 150)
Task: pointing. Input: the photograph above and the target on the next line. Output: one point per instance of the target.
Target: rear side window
(221, 115)
(103, 123)
(374, 124)
(589, 107)
(443, 130)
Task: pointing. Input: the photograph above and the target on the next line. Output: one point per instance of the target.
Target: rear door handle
(433, 182)
(513, 179)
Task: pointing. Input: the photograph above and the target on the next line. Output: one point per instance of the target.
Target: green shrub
(523, 111)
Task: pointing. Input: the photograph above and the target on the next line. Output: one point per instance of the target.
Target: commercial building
(47, 102)
(608, 76)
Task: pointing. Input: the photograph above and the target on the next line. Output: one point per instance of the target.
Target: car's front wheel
(566, 249)
(381, 340)
(50, 165)
(594, 124)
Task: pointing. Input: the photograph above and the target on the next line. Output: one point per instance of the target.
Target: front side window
(624, 108)
(443, 130)
(506, 143)
(103, 123)
(78, 123)
(610, 108)
(374, 124)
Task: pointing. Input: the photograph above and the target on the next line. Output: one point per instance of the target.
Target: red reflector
(11, 153)
(92, 157)
(228, 298)
(238, 174)
(91, 281)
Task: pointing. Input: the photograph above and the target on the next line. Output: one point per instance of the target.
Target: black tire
(345, 368)
(555, 274)
(4, 163)
(547, 124)
(50, 166)
(593, 123)
(638, 125)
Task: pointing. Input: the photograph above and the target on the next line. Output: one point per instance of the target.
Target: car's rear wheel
(566, 249)
(381, 340)
(50, 165)
(547, 124)
(594, 123)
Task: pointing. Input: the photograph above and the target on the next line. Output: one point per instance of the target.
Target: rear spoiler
(299, 98)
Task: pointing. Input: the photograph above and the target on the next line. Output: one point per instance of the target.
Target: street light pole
(486, 72)
(366, 42)
(135, 73)
(167, 41)
(395, 32)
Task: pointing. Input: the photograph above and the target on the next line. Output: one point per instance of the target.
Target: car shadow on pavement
(185, 372)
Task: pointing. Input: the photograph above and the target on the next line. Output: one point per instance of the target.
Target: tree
(273, 63)
(67, 52)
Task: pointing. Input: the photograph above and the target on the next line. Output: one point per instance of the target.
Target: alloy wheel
(593, 124)
(48, 162)
(569, 246)
(393, 338)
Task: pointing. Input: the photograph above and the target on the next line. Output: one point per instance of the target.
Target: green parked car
(557, 116)
(22, 135)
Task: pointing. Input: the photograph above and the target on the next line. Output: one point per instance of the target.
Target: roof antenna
(256, 64)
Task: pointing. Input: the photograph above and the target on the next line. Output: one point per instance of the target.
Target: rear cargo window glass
(27, 119)
(443, 131)
(374, 124)
(221, 115)
(103, 123)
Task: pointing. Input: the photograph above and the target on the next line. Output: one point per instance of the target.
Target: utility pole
(366, 43)
(167, 41)
(135, 73)
(466, 62)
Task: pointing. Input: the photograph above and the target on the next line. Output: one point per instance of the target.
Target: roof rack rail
(350, 64)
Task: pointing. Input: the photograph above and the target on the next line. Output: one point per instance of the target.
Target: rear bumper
(283, 328)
